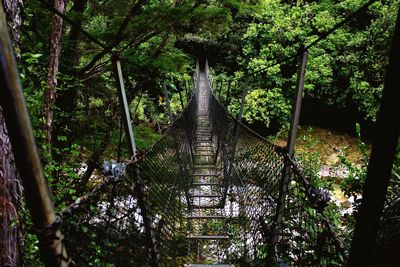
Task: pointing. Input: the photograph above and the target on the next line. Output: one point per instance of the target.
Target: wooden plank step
(209, 237)
(204, 158)
(204, 150)
(204, 174)
(192, 217)
(203, 146)
(204, 166)
(203, 138)
(206, 184)
(199, 160)
(205, 195)
(204, 207)
(204, 154)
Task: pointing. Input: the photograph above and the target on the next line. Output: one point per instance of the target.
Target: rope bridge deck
(205, 193)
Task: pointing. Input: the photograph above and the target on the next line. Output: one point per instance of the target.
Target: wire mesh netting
(139, 219)
(253, 170)
(206, 192)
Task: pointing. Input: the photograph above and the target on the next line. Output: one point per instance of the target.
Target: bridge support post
(139, 185)
(220, 89)
(228, 94)
(297, 101)
(171, 117)
(27, 158)
(244, 94)
(285, 178)
(380, 165)
(124, 104)
(180, 94)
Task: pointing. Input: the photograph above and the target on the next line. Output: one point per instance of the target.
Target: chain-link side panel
(108, 227)
(253, 170)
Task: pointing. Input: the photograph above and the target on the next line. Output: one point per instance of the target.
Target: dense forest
(65, 52)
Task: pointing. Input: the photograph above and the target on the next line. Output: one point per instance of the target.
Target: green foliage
(156, 45)
(31, 245)
(264, 106)
(144, 137)
(310, 156)
(352, 185)
(347, 69)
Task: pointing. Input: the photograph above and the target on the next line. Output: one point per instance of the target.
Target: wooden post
(220, 90)
(124, 104)
(283, 188)
(244, 94)
(381, 162)
(167, 102)
(297, 102)
(27, 158)
(139, 184)
(180, 94)
(187, 90)
(228, 94)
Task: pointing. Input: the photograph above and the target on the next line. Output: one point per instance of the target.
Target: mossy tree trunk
(10, 196)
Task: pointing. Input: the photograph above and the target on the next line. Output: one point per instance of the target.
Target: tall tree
(10, 189)
(13, 10)
(10, 194)
(54, 62)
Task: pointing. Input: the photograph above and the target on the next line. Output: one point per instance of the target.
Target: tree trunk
(13, 10)
(10, 195)
(54, 62)
(71, 51)
(10, 188)
(66, 99)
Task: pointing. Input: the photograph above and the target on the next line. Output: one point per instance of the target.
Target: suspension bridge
(206, 193)
(210, 192)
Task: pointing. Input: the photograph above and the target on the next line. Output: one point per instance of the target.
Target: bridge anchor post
(283, 187)
(139, 185)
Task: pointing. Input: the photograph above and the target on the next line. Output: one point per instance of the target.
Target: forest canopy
(67, 74)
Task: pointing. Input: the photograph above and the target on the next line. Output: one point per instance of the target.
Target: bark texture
(13, 9)
(10, 187)
(10, 195)
(54, 63)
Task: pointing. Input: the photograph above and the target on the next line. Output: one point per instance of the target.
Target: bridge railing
(138, 219)
(307, 237)
(253, 169)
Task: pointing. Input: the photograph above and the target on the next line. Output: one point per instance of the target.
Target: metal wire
(254, 168)
(111, 222)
